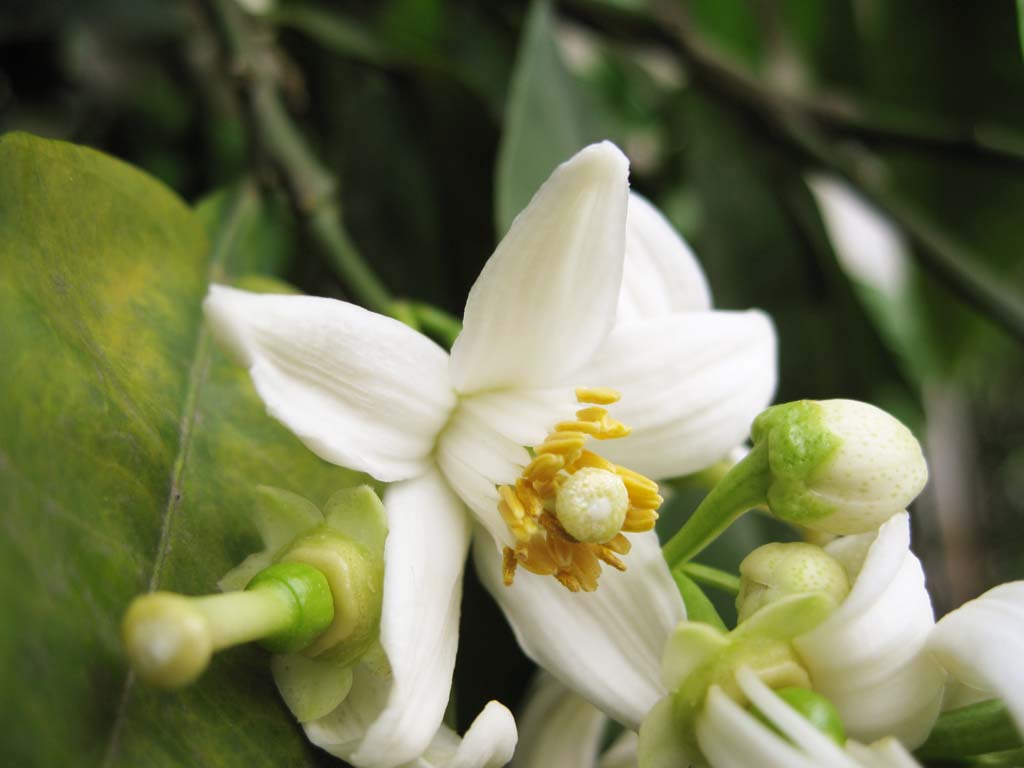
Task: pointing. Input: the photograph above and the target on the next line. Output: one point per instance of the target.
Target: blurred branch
(254, 62)
(798, 122)
(839, 114)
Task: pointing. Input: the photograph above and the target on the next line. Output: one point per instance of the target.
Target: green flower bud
(838, 466)
(774, 571)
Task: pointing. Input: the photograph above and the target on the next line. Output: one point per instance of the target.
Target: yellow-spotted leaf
(130, 454)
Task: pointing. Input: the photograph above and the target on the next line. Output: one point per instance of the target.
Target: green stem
(711, 577)
(974, 730)
(241, 617)
(744, 487)
(437, 323)
(312, 188)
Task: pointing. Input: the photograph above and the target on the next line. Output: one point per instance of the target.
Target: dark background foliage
(438, 118)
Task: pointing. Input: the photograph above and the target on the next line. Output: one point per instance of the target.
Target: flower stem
(312, 188)
(711, 577)
(974, 730)
(744, 487)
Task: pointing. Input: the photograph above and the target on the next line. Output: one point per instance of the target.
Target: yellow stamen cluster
(543, 546)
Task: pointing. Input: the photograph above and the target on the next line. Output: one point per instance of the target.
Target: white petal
(886, 753)
(691, 385)
(730, 737)
(606, 645)
(867, 657)
(546, 299)
(428, 534)
(799, 731)
(524, 416)
(661, 275)
(981, 643)
(869, 248)
(359, 389)
(475, 459)
(557, 728)
(489, 742)
(622, 753)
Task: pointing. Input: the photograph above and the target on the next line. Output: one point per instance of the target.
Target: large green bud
(838, 466)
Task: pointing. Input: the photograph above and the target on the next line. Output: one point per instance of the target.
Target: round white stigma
(591, 505)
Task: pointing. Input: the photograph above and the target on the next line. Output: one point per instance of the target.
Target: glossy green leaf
(545, 120)
(130, 454)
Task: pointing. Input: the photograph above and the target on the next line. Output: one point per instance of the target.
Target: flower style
(590, 295)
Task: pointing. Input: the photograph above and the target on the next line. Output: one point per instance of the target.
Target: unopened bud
(774, 571)
(838, 466)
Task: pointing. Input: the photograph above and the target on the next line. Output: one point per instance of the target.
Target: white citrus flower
(592, 294)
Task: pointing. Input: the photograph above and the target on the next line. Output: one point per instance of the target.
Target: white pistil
(591, 505)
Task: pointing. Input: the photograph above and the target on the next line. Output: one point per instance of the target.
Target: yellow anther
(530, 507)
(508, 566)
(597, 395)
(593, 413)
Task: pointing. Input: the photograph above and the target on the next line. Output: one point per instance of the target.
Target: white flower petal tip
(661, 275)
(606, 645)
(981, 644)
(563, 257)
(691, 385)
(359, 389)
(868, 657)
(489, 743)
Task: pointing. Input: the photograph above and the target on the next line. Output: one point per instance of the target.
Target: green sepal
(358, 514)
(698, 606)
(311, 688)
(307, 592)
(799, 447)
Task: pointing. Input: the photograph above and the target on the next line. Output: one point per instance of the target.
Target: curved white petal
(798, 730)
(691, 385)
(545, 300)
(981, 644)
(730, 737)
(661, 275)
(524, 416)
(489, 742)
(557, 727)
(359, 389)
(867, 657)
(607, 644)
(388, 721)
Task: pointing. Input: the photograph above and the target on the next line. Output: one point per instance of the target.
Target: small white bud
(591, 505)
(774, 571)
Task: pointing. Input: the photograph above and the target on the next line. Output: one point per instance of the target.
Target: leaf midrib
(243, 198)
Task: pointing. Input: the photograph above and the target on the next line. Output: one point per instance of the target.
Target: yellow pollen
(528, 507)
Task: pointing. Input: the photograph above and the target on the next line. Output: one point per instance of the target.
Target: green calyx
(799, 447)
(314, 590)
(699, 656)
(814, 708)
(306, 591)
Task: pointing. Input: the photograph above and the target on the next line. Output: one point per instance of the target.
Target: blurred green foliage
(440, 118)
